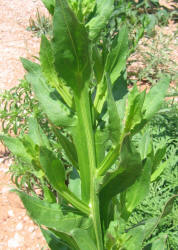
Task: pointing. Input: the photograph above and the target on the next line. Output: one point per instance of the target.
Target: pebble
(5, 190)
(17, 241)
(10, 213)
(26, 218)
(19, 226)
(31, 229)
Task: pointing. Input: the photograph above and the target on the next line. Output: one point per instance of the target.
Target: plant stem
(87, 158)
(108, 160)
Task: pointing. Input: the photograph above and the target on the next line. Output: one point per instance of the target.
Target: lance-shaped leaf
(36, 133)
(71, 47)
(146, 146)
(116, 60)
(129, 169)
(117, 181)
(158, 171)
(16, 146)
(139, 190)
(53, 241)
(55, 173)
(99, 22)
(76, 239)
(49, 4)
(30, 67)
(53, 215)
(114, 119)
(48, 69)
(134, 107)
(158, 243)
(155, 97)
(68, 147)
(83, 137)
(158, 156)
(152, 223)
(134, 238)
(98, 65)
(57, 112)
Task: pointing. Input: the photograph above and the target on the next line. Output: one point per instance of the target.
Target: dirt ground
(17, 230)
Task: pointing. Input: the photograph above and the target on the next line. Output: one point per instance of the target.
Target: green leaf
(75, 183)
(138, 191)
(57, 112)
(53, 241)
(134, 114)
(77, 239)
(168, 207)
(114, 119)
(48, 69)
(17, 148)
(158, 171)
(116, 60)
(53, 168)
(49, 4)
(99, 22)
(52, 215)
(48, 195)
(145, 145)
(134, 238)
(151, 224)
(71, 47)
(101, 137)
(98, 65)
(83, 137)
(30, 67)
(68, 147)
(159, 155)
(159, 243)
(118, 180)
(155, 97)
(83, 239)
(36, 133)
(55, 173)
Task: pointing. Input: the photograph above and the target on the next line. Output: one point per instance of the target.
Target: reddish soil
(17, 230)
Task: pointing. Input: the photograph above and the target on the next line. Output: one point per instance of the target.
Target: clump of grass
(40, 25)
(163, 129)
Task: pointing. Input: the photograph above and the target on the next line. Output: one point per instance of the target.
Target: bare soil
(17, 229)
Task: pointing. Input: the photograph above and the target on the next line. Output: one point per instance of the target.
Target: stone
(16, 241)
(19, 226)
(10, 213)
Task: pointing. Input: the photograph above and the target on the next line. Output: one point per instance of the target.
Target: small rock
(5, 190)
(12, 243)
(17, 241)
(19, 226)
(31, 229)
(10, 213)
(25, 218)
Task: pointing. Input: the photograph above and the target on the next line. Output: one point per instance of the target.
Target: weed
(41, 25)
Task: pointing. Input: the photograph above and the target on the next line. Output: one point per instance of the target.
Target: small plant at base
(110, 172)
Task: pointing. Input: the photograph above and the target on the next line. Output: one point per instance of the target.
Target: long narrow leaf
(71, 46)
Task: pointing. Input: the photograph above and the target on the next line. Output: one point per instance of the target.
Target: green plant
(17, 105)
(41, 25)
(82, 91)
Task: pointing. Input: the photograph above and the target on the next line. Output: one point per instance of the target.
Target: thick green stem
(108, 160)
(84, 141)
